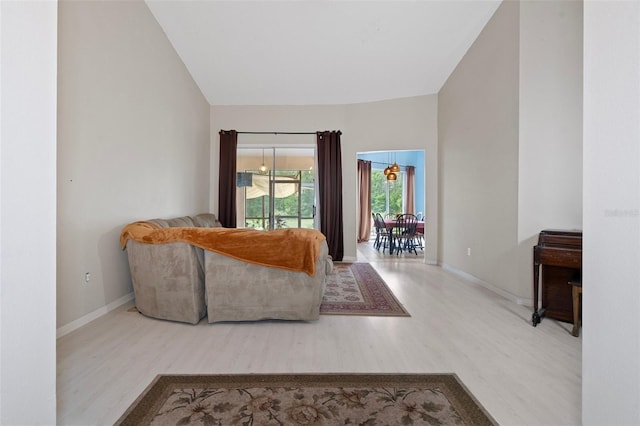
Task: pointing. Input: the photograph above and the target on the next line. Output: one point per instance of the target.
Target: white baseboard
(74, 325)
(488, 286)
(350, 259)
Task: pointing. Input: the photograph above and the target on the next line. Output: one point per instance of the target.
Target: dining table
(391, 223)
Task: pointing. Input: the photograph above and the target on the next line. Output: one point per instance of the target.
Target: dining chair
(419, 240)
(383, 236)
(404, 233)
(376, 243)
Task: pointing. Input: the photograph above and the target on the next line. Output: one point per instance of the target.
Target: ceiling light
(263, 168)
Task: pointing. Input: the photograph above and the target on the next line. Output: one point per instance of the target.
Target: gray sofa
(241, 291)
(181, 282)
(168, 279)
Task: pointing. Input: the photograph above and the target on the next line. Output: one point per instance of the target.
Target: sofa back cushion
(206, 220)
(203, 220)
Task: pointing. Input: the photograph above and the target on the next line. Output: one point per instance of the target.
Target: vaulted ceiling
(320, 52)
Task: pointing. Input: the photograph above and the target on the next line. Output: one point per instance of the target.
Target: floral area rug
(307, 399)
(357, 289)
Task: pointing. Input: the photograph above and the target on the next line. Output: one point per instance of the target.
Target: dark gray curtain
(330, 191)
(227, 178)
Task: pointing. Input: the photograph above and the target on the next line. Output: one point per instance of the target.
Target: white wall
(398, 124)
(550, 124)
(611, 255)
(478, 132)
(133, 144)
(27, 213)
(510, 125)
(408, 123)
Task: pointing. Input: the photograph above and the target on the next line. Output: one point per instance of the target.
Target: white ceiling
(309, 52)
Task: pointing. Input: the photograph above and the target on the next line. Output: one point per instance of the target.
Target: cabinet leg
(575, 293)
(535, 319)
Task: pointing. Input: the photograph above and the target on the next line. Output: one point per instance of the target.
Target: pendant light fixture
(394, 167)
(263, 167)
(390, 171)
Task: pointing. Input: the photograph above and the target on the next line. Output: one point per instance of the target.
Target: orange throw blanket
(290, 249)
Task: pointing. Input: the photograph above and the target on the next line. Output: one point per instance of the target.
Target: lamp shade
(387, 170)
(392, 176)
(395, 168)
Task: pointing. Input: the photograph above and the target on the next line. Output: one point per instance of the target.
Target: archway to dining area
(391, 185)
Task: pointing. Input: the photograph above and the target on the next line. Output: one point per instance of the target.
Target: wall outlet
(87, 277)
(468, 251)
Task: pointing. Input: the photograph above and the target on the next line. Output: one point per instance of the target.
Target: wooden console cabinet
(557, 260)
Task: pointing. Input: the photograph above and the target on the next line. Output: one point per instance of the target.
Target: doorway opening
(402, 194)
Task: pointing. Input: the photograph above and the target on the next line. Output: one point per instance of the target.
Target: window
(386, 195)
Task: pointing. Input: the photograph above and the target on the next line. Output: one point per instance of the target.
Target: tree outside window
(386, 195)
(293, 200)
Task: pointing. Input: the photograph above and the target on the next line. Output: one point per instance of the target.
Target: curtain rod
(378, 162)
(276, 133)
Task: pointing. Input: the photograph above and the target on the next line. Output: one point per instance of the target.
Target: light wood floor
(522, 375)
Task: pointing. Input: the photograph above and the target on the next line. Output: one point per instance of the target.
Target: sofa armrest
(328, 265)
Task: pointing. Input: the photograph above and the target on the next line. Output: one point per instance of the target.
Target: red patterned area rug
(306, 399)
(357, 289)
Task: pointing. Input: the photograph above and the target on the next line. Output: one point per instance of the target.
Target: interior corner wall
(403, 124)
(550, 125)
(611, 250)
(133, 144)
(510, 128)
(27, 212)
(478, 145)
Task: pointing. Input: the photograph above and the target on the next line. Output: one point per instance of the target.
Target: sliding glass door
(282, 191)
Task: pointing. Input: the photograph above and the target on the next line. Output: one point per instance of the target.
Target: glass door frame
(273, 180)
